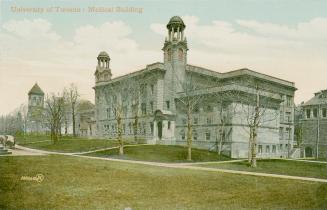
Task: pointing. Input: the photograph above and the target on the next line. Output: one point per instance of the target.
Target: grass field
(160, 153)
(286, 167)
(80, 183)
(66, 144)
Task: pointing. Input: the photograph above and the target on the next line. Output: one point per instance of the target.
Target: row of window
(207, 135)
(313, 113)
(109, 111)
(272, 148)
(209, 120)
(128, 128)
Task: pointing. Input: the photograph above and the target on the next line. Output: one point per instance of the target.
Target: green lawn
(66, 144)
(286, 167)
(160, 153)
(80, 183)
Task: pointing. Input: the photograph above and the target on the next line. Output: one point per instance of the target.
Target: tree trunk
(120, 138)
(250, 146)
(189, 135)
(135, 128)
(254, 149)
(255, 130)
(73, 118)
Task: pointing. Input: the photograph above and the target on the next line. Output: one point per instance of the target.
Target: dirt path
(175, 165)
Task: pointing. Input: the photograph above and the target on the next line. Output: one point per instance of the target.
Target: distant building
(312, 125)
(37, 124)
(85, 119)
(35, 121)
(156, 90)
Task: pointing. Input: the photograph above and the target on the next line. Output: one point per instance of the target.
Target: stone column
(178, 35)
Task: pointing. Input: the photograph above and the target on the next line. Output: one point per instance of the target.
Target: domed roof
(103, 54)
(176, 21)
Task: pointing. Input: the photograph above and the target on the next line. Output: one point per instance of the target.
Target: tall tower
(35, 109)
(103, 71)
(175, 52)
(35, 98)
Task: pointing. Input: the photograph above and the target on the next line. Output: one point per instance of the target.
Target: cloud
(31, 29)
(32, 51)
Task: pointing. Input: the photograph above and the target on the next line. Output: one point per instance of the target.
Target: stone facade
(312, 122)
(151, 103)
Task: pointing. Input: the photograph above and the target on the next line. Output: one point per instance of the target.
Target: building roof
(239, 72)
(36, 90)
(103, 54)
(176, 21)
(319, 98)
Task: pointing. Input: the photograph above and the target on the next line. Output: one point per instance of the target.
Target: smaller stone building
(312, 126)
(35, 110)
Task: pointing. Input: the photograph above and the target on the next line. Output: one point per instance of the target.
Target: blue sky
(285, 39)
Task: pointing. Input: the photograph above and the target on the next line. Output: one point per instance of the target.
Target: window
(315, 112)
(151, 106)
(184, 121)
(169, 54)
(209, 120)
(151, 127)
(289, 101)
(169, 125)
(208, 136)
(144, 128)
(196, 109)
(308, 113)
(182, 133)
(152, 89)
(195, 121)
(195, 135)
(324, 112)
(108, 113)
(267, 149)
(281, 132)
(130, 128)
(143, 108)
(168, 105)
(288, 116)
(260, 149)
(288, 133)
(274, 149)
(180, 54)
(281, 147)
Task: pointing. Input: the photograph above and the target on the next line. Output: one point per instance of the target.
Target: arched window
(180, 55)
(169, 54)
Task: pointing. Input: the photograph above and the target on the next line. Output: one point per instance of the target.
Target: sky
(55, 42)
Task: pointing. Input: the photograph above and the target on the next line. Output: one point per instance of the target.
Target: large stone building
(312, 126)
(152, 103)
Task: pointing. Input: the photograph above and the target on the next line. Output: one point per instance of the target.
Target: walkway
(177, 165)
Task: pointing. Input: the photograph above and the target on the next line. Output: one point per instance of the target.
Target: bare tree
(24, 113)
(259, 108)
(114, 98)
(72, 95)
(189, 101)
(54, 112)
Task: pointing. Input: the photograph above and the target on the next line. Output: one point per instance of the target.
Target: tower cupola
(103, 71)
